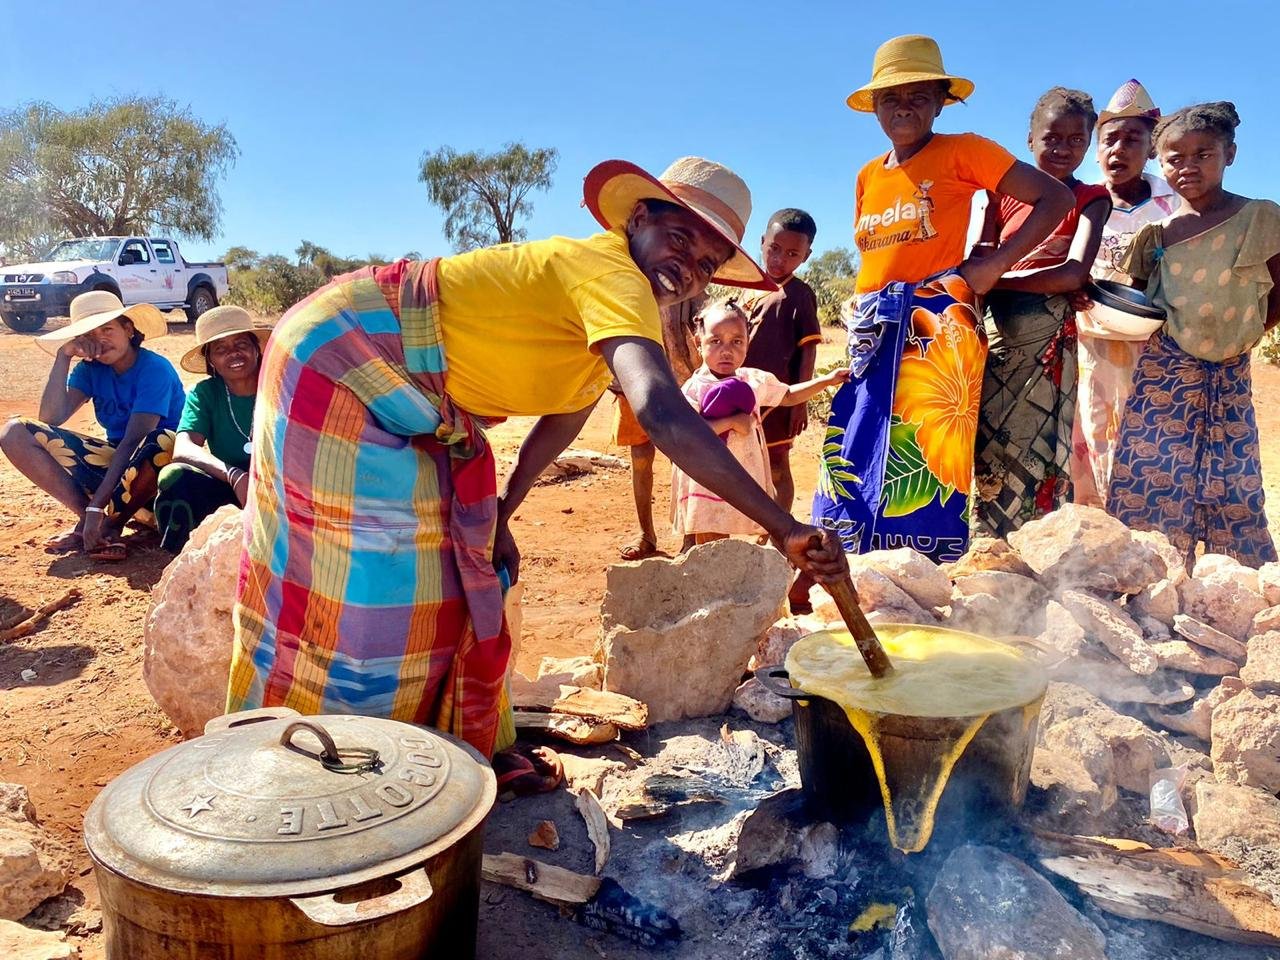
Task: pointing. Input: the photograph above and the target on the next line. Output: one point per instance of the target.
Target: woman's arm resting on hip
(1049, 200)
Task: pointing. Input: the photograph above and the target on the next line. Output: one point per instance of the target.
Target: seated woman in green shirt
(211, 455)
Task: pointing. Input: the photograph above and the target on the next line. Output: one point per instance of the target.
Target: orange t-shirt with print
(912, 220)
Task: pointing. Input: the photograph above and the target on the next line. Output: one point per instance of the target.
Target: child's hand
(837, 377)
(1080, 301)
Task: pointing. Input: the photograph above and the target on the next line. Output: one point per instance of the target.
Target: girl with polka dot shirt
(1187, 455)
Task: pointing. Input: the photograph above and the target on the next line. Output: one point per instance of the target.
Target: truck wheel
(23, 322)
(202, 299)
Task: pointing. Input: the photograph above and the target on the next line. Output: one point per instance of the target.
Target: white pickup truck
(136, 269)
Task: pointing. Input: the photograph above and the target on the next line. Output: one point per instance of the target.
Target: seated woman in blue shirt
(137, 399)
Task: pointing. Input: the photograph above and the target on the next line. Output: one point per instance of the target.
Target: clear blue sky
(333, 104)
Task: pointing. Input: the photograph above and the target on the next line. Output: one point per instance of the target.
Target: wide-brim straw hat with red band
(710, 190)
(911, 59)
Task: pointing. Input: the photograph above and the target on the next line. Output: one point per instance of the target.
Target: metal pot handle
(231, 721)
(777, 681)
(330, 757)
(327, 910)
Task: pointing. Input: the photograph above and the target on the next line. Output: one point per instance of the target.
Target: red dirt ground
(87, 715)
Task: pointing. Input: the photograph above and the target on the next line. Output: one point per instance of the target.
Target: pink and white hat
(1131, 100)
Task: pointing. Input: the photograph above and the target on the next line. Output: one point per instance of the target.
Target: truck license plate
(22, 293)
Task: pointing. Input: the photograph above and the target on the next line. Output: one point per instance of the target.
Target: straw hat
(226, 321)
(909, 59)
(712, 191)
(91, 310)
(1131, 100)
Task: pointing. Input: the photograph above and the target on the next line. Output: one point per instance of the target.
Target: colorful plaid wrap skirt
(367, 585)
(1187, 456)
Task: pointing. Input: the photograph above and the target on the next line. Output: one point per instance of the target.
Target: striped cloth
(366, 584)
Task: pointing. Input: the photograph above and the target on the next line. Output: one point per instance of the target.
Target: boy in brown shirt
(785, 335)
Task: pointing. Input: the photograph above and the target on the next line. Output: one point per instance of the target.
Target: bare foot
(64, 542)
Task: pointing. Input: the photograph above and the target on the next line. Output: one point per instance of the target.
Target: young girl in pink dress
(722, 332)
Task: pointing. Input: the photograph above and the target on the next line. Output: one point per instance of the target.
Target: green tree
(240, 258)
(128, 165)
(832, 275)
(484, 194)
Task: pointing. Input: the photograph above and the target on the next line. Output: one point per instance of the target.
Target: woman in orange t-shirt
(898, 460)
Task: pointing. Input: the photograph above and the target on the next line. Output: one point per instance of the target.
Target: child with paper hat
(1106, 360)
(137, 399)
(373, 493)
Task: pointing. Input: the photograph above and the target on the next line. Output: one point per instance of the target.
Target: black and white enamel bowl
(1119, 312)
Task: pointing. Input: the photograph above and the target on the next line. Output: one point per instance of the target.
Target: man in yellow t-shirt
(375, 543)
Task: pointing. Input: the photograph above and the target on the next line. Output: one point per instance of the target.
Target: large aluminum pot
(277, 836)
(839, 776)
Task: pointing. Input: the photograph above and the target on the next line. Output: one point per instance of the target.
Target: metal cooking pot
(309, 838)
(840, 782)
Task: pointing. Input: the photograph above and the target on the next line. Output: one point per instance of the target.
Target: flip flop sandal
(111, 552)
(64, 542)
(638, 549)
(524, 770)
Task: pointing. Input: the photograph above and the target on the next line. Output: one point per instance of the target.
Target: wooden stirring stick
(864, 636)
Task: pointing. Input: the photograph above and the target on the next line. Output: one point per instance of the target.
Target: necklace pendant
(248, 447)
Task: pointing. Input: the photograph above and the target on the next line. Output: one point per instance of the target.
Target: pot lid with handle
(268, 803)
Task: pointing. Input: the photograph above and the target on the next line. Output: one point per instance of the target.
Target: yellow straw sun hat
(225, 321)
(712, 191)
(91, 310)
(910, 59)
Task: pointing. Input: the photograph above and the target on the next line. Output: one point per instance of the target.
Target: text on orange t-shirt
(911, 221)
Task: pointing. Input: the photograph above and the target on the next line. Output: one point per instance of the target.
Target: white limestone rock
(1108, 624)
(1262, 670)
(188, 634)
(1219, 566)
(760, 703)
(33, 866)
(1159, 601)
(1187, 657)
(1175, 564)
(677, 634)
(988, 553)
(1203, 635)
(1078, 547)
(23, 943)
(914, 573)
(1224, 603)
(1246, 740)
(1197, 719)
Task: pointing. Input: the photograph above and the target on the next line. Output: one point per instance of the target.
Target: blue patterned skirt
(897, 459)
(1187, 455)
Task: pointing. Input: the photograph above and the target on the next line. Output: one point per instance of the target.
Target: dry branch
(1184, 887)
(29, 624)
(546, 882)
